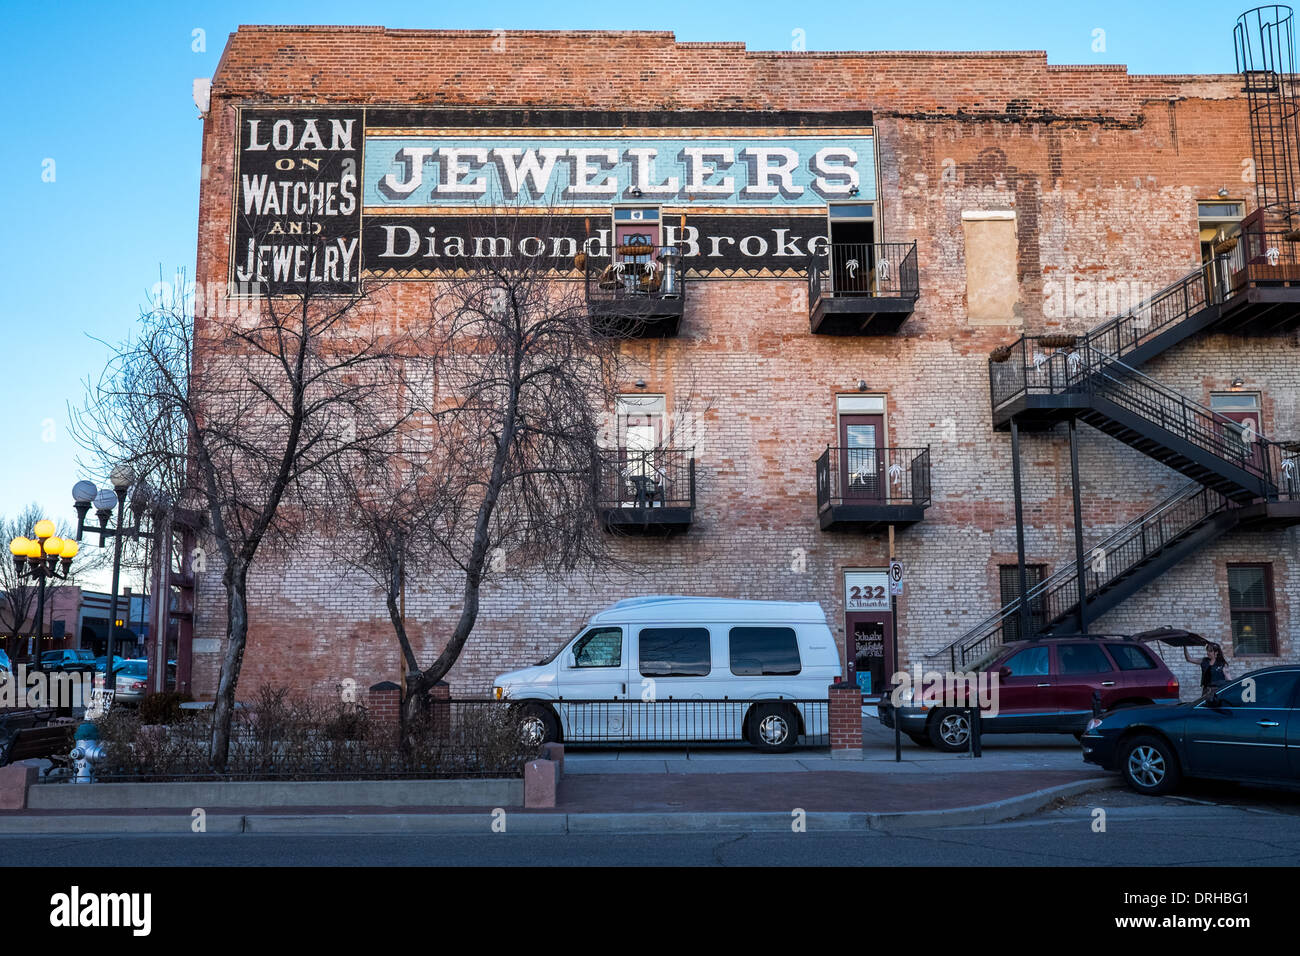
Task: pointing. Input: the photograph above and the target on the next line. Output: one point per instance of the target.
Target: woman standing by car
(1213, 667)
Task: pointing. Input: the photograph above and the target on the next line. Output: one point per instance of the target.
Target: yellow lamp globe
(70, 549)
(18, 547)
(44, 529)
(53, 546)
(34, 549)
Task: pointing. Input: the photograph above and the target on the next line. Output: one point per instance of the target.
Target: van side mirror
(1004, 672)
(570, 659)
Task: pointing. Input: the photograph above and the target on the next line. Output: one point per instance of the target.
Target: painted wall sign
(325, 196)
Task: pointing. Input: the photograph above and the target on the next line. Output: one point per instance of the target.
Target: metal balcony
(645, 492)
(863, 288)
(868, 489)
(639, 292)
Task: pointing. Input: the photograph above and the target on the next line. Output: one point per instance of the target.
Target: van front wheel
(537, 724)
(773, 728)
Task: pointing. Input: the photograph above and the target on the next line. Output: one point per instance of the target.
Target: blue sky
(104, 92)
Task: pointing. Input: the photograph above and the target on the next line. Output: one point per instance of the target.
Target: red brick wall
(1103, 170)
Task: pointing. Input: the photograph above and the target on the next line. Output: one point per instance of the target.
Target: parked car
(1248, 730)
(132, 682)
(72, 660)
(1047, 686)
(685, 652)
(102, 661)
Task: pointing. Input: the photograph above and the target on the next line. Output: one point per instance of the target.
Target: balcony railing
(863, 288)
(885, 270)
(653, 487)
(865, 488)
(639, 291)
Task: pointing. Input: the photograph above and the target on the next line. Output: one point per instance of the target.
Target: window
(1082, 659)
(1250, 604)
(1031, 662)
(1129, 657)
(764, 650)
(1218, 221)
(1009, 583)
(599, 647)
(1269, 690)
(675, 652)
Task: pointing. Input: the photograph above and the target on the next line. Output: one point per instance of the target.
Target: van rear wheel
(773, 728)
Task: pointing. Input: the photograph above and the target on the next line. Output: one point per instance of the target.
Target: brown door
(1241, 432)
(862, 458)
(871, 649)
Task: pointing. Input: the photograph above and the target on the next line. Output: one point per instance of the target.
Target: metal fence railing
(652, 478)
(880, 269)
(681, 721)
(886, 476)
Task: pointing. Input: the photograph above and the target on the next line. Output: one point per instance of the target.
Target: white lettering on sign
(455, 167)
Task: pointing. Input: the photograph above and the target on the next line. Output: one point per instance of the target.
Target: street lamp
(43, 557)
(85, 494)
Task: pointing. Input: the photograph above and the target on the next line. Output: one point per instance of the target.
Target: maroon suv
(1047, 686)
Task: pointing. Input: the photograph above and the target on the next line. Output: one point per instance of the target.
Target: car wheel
(950, 731)
(537, 724)
(1149, 765)
(773, 728)
(921, 740)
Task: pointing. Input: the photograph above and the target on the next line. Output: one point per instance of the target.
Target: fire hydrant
(86, 751)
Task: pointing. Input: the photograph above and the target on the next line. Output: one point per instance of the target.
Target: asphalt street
(1162, 833)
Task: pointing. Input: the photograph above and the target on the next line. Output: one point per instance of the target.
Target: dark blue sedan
(1248, 731)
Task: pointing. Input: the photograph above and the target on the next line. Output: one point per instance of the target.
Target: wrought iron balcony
(867, 489)
(650, 491)
(863, 288)
(639, 292)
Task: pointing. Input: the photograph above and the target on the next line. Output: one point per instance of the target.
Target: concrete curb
(552, 823)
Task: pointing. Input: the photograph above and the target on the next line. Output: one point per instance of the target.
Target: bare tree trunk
(236, 582)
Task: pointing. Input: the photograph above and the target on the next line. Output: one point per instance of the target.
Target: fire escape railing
(1118, 553)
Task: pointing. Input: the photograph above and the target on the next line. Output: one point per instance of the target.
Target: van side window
(599, 647)
(675, 652)
(764, 650)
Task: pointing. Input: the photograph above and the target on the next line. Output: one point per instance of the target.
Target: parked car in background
(1046, 686)
(132, 682)
(71, 660)
(102, 661)
(1248, 730)
(714, 670)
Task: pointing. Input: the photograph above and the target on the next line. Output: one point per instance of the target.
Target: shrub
(162, 708)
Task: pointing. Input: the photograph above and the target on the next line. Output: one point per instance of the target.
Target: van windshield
(561, 646)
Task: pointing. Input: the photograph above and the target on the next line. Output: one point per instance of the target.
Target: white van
(666, 668)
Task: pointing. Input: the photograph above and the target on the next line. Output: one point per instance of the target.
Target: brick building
(859, 236)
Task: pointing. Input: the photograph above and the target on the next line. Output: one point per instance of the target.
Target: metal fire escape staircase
(1237, 478)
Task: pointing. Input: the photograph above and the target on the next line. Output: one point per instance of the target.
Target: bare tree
(237, 411)
(523, 383)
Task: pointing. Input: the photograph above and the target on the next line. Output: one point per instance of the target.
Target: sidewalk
(671, 790)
